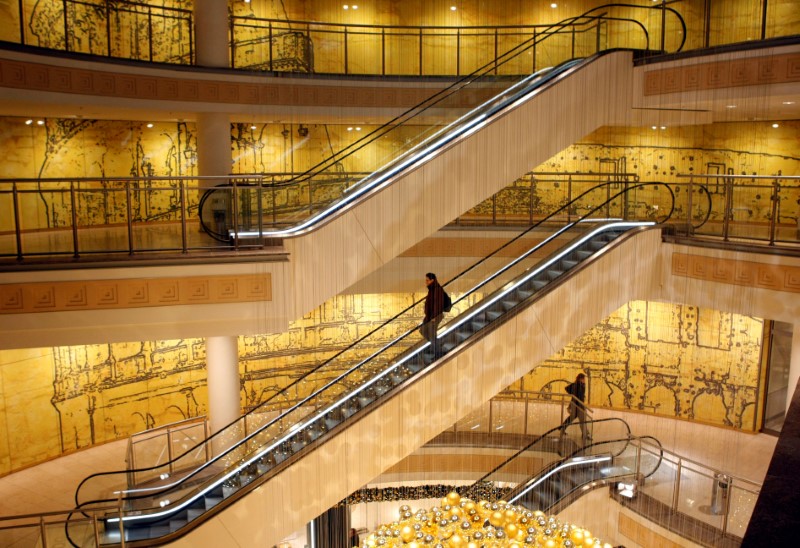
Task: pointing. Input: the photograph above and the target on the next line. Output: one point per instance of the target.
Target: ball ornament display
(459, 522)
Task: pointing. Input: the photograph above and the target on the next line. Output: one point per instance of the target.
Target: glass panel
(364, 48)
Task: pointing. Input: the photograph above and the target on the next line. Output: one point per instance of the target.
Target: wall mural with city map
(671, 360)
(665, 359)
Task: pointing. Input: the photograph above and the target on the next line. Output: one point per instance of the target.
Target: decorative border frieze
(26, 298)
(745, 273)
(755, 71)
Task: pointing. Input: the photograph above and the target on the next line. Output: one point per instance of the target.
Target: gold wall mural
(108, 149)
(671, 360)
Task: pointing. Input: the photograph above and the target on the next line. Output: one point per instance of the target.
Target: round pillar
(222, 368)
(211, 33)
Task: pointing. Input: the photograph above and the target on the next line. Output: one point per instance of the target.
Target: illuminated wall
(162, 31)
(671, 360)
(84, 148)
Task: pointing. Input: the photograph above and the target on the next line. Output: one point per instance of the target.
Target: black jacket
(578, 391)
(434, 301)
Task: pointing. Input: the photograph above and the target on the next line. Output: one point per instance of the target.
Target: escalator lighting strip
(470, 126)
(564, 466)
(539, 269)
(380, 376)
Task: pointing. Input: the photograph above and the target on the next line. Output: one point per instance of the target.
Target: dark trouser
(428, 330)
(576, 412)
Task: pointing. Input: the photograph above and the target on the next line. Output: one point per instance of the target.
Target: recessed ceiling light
(553, 5)
(28, 122)
(355, 7)
(358, 128)
(345, 7)
(654, 127)
(350, 129)
(730, 106)
(788, 102)
(253, 126)
(40, 122)
(776, 125)
(150, 124)
(663, 127)
(452, 8)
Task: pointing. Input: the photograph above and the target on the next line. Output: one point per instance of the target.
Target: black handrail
(286, 389)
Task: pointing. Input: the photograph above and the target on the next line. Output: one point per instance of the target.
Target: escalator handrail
(542, 439)
(361, 363)
(433, 100)
(245, 440)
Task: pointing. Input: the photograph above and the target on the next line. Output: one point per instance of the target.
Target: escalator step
(175, 524)
(492, 315)
(553, 274)
(194, 513)
(583, 254)
(211, 502)
(539, 284)
(569, 264)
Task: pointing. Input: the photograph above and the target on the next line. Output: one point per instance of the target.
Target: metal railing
(156, 446)
(758, 208)
(152, 33)
(121, 216)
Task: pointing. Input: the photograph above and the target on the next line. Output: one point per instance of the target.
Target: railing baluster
(184, 241)
(73, 206)
(129, 215)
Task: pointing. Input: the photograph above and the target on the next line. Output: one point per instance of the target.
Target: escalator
(455, 150)
(360, 387)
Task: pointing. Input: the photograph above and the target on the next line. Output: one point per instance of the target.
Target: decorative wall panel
(23, 298)
(755, 71)
(745, 273)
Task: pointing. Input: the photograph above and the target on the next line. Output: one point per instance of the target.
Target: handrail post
(690, 191)
(420, 52)
(260, 201)
(663, 25)
(271, 57)
(121, 524)
(95, 529)
(727, 513)
(346, 68)
(17, 222)
(458, 51)
(383, 51)
(773, 223)
(108, 30)
(530, 201)
(73, 206)
(129, 215)
(22, 20)
(150, 32)
(169, 451)
(676, 492)
(235, 206)
(728, 211)
(184, 242)
(66, 25)
(233, 41)
(43, 531)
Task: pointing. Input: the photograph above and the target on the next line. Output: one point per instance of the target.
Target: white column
(213, 143)
(211, 33)
(794, 365)
(222, 368)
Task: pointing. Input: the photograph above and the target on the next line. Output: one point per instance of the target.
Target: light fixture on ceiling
(776, 126)
(39, 122)
(452, 8)
(788, 103)
(150, 124)
(302, 131)
(285, 133)
(28, 122)
(730, 106)
(554, 5)
(253, 127)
